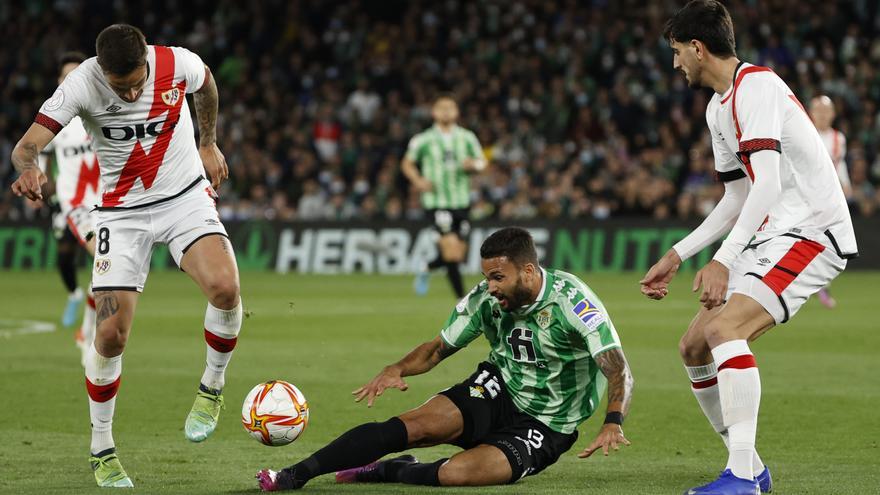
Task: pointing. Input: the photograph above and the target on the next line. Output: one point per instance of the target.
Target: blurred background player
(438, 163)
(822, 112)
(543, 327)
(69, 156)
(132, 98)
(790, 232)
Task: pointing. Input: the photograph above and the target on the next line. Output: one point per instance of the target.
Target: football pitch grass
(818, 427)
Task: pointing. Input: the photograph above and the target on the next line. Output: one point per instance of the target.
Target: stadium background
(594, 142)
(577, 107)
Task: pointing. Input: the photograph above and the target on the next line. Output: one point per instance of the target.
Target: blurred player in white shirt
(790, 232)
(132, 101)
(822, 112)
(77, 193)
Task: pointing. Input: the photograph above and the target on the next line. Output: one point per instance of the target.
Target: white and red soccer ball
(275, 413)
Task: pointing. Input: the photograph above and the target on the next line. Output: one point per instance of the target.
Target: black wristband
(614, 417)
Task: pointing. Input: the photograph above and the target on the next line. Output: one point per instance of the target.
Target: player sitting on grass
(551, 341)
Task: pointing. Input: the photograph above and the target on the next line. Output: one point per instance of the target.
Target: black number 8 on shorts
(103, 240)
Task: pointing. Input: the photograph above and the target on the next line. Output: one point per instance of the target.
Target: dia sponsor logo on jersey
(139, 131)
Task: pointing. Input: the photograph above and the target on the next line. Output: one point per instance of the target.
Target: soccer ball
(275, 413)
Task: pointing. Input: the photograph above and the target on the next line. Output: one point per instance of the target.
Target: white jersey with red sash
(78, 174)
(760, 112)
(146, 149)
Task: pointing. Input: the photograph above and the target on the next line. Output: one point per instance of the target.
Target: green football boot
(202, 418)
(108, 470)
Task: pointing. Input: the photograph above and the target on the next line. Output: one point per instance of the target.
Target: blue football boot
(71, 309)
(765, 481)
(727, 484)
(422, 282)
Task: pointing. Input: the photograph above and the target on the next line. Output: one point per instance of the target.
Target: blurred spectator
(577, 104)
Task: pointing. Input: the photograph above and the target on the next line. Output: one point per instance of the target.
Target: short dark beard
(695, 82)
(520, 296)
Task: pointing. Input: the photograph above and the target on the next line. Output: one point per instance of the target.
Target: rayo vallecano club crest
(171, 97)
(102, 265)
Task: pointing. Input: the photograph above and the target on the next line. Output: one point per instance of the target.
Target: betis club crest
(171, 97)
(543, 318)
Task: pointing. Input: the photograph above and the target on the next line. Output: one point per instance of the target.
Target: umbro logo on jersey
(763, 261)
(113, 108)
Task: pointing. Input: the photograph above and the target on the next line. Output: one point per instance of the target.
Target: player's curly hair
(121, 48)
(704, 20)
(513, 242)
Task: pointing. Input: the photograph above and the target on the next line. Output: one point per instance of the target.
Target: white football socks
(704, 385)
(739, 391)
(221, 335)
(102, 383)
(88, 323)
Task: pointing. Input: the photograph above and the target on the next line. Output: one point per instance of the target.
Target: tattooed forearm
(206, 101)
(107, 305)
(24, 156)
(620, 381)
(445, 351)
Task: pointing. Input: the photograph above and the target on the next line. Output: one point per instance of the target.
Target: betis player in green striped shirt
(439, 162)
(552, 351)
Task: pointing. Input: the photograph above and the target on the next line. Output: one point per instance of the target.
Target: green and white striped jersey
(546, 351)
(440, 157)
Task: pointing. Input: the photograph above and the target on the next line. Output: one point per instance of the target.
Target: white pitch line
(11, 328)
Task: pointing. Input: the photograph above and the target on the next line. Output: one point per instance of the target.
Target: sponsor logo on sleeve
(588, 313)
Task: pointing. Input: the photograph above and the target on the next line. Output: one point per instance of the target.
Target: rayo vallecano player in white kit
(822, 112)
(132, 100)
(77, 187)
(790, 232)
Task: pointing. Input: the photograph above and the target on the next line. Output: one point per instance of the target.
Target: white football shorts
(124, 238)
(783, 272)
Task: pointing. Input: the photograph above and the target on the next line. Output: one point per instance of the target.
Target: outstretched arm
(206, 101)
(420, 360)
(620, 384)
(25, 159)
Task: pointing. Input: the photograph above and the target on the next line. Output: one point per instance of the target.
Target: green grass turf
(818, 430)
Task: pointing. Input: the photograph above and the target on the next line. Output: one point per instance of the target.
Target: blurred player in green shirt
(438, 163)
(552, 350)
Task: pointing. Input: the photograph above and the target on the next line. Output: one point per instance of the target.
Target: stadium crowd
(575, 103)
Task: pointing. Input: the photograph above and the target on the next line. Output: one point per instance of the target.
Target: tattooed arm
(620, 383)
(420, 360)
(206, 102)
(24, 158)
